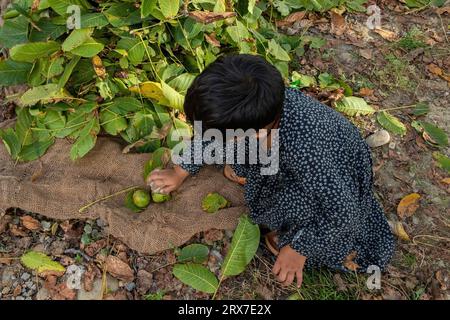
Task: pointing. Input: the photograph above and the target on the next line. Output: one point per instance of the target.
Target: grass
(397, 73)
(412, 40)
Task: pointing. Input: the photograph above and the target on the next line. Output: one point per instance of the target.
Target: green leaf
(182, 82)
(196, 276)
(43, 94)
(14, 31)
(12, 72)
(124, 105)
(302, 80)
(28, 52)
(35, 150)
(81, 43)
(277, 51)
(175, 100)
(76, 38)
(159, 159)
(213, 202)
(179, 130)
(420, 109)
(437, 134)
(11, 142)
(48, 30)
(243, 247)
(86, 139)
(147, 7)
(169, 8)
(23, 126)
(135, 49)
(60, 6)
(197, 253)
(443, 160)
(391, 123)
(54, 120)
(93, 20)
(68, 71)
(40, 262)
(112, 122)
(353, 106)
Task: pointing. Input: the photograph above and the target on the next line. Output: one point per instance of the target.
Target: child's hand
(167, 180)
(289, 265)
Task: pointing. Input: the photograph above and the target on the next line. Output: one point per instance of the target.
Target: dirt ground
(391, 69)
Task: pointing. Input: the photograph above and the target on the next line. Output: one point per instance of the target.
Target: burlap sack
(57, 187)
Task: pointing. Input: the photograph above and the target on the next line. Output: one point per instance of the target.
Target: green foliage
(213, 202)
(353, 106)
(243, 247)
(131, 64)
(40, 262)
(196, 276)
(197, 253)
(391, 123)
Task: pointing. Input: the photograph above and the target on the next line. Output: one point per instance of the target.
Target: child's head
(236, 91)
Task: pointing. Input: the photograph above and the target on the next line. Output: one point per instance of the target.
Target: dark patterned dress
(321, 201)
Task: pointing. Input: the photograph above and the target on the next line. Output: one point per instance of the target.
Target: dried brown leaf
(208, 17)
(291, 19)
(408, 205)
(30, 223)
(119, 269)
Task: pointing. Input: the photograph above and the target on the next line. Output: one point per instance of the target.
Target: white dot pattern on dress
(321, 201)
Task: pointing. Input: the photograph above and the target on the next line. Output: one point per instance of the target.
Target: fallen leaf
(443, 10)
(338, 25)
(4, 222)
(349, 263)
(340, 284)
(212, 40)
(38, 173)
(365, 92)
(408, 205)
(434, 69)
(119, 269)
(208, 17)
(30, 223)
(291, 19)
(17, 290)
(17, 231)
(99, 69)
(366, 53)
(386, 34)
(89, 276)
(59, 291)
(93, 248)
(398, 230)
(6, 261)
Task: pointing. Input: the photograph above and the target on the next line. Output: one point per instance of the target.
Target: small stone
(25, 276)
(43, 294)
(378, 139)
(130, 286)
(7, 277)
(46, 225)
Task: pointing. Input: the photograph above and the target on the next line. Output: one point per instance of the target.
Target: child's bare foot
(229, 173)
(271, 240)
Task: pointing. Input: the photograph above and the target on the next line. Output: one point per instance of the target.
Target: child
(320, 202)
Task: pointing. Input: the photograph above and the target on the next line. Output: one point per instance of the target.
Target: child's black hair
(236, 91)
